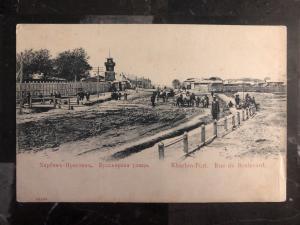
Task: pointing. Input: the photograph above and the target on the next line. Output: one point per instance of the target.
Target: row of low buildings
(119, 81)
(204, 85)
(217, 84)
(123, 81)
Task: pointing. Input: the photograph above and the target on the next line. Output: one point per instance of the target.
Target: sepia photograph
(143, 113)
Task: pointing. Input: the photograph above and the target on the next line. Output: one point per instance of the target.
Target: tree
(34, 62)
(176, 84)
(72, 65)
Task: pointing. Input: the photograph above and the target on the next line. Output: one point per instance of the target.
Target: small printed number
(41, 199)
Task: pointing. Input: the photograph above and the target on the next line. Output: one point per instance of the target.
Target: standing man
(87, 95)
(28, 98)
(237, 100)
(207, 101)
(215, 108)
(78, 98)
(153, 97)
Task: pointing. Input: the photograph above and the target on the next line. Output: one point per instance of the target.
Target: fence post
(215, 128)
(30, 102)
(161, 151)
(69, 103)
(243, 114)
(225, 123)
(202, 133)
(238, 118)
(54, 103)
(233, 121)
(185, 142)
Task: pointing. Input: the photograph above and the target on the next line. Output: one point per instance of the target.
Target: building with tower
(110, 74)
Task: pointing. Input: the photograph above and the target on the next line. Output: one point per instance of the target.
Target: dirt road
(112, 123)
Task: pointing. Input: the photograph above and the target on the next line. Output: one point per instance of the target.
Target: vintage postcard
(151, 113)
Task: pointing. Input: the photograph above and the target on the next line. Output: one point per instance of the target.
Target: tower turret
(110, 66)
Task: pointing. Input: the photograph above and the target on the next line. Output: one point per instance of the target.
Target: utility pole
(98, 82)
(99, 71)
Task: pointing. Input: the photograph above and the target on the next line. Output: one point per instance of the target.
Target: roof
(211, 80)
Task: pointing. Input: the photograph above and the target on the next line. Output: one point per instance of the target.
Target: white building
(204, 84)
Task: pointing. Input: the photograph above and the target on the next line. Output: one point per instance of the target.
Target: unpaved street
(113, 123)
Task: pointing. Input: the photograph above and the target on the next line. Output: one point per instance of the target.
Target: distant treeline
(68, 65)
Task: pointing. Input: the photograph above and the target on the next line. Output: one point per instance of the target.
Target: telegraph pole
(98, 82)
(99, 71)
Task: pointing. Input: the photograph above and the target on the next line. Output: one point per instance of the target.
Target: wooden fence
(218, 128)
(64, 88)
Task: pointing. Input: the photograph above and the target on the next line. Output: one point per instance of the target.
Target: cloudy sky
(165, 52)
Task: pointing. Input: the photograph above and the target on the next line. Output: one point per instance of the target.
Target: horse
(192, 99)
(179, 100)
(161, 94)
(198, 100)
(187, 99)
(170, 93)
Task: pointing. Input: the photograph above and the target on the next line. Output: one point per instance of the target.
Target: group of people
(244, 104)
(190, 99)
(164, 94)
(182, 99)
(81, 94)
(117, 95)
(249, 100)
(57, 97)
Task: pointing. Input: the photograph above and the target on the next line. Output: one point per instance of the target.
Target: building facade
(204, 85)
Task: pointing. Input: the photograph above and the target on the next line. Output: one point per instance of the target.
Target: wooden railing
(221, 128)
